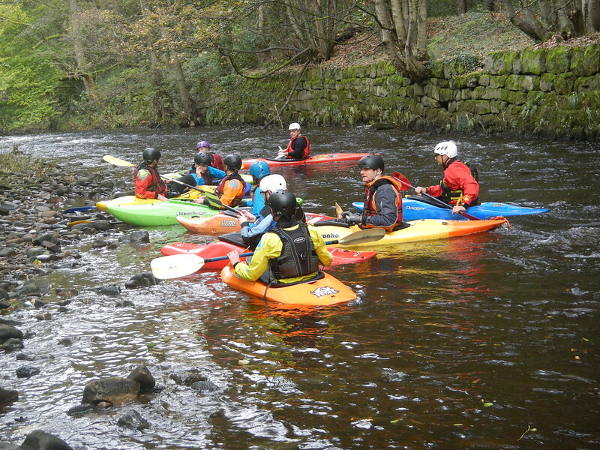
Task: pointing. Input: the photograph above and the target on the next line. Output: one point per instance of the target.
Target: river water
(483, 341)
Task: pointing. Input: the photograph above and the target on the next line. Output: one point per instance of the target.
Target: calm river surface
(476, 342)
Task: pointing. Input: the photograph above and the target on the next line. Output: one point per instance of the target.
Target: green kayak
(147, 213)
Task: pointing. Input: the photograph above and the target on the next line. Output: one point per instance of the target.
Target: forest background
(84, 64)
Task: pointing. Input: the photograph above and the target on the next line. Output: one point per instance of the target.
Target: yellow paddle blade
(116, 161)
(359, 237)
(176, 266)
(338, 211)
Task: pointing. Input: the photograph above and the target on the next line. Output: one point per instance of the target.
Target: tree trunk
(461, 6)
(590, 10)
(185, 98)
(82, 65)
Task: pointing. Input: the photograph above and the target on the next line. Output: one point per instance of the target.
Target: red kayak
(221, 248)
(325, 158)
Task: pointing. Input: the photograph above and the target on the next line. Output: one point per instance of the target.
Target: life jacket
(234, 176)
(290, 148)
(455, 196)
(157, 183)
(370, 206)
(298, 257)
(217, 161)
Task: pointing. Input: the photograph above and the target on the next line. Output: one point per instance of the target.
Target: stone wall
(550, 92)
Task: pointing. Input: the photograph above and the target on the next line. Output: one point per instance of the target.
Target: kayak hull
(156, 213)
(416, 210)
(325, 158)
(418, 230)
(326, 291)
(133, 200)
(221, 248)
(223, 223)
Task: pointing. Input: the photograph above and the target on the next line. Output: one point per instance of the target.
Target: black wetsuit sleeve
(298, 148)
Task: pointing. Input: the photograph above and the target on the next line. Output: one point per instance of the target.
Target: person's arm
(268, 248)
(385, 203)
(216, 173)
(325, 257)
(261, 226)
(434, 191)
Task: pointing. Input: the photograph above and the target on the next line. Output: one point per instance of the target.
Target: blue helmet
(259, 170)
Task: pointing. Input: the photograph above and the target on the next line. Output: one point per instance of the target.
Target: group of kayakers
(287, 250)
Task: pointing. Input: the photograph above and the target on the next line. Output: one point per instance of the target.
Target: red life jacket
(217, 161)
(371, 207)
(290, 148)
(156, 184)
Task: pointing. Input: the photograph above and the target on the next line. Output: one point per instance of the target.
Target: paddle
(204, 189)
(338, 210)
(176, 266)
(79, 209)
(404, 180)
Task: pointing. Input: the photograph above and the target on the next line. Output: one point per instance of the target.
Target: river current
(489, 341)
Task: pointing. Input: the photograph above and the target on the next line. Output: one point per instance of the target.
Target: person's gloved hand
(172, 194)
(351, 218)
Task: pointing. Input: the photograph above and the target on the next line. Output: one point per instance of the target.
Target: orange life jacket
(371, 207)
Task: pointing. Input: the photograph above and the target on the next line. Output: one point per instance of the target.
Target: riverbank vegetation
(80, 64)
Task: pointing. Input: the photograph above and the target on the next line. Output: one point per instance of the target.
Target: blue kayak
(413, 209)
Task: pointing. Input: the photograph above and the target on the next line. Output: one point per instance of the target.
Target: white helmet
(273, 183)
(447, 148)
(294, 126)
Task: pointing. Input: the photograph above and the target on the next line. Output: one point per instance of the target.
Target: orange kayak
(326, 291)
(224, 223)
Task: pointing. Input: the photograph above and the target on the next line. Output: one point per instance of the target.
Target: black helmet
(371, 162)
(233, 162)
(151, 154)
(283, 203)
(203, 158)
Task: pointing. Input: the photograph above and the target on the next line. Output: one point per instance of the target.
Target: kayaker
(216, 160)
(383, 198)
(148, 183)
(458, 187)
(290, 253)
(231, 189)
(204, 172)
(260, 221)
(298, 147)
(258, 170)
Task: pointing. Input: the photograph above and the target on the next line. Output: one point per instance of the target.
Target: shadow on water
(482, 341)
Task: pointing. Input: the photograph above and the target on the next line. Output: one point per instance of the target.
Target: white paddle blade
(176, 266)
(362, 236)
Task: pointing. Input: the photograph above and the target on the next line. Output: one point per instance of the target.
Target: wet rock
(24, 357)
(52, 238)
(142, 375)
(40, 440)
(37, 287)
(205, 386)
(3, 305)
(136, 237)
(141, 280)
(7, 251)
(188, 377)
(8, 446)
(102, 225)
(99, 243)
(10, 345)
(113, 389)
(27, 371)
(67, 342)
(111, 290)
(43, 316)
(8, 396)
(124, 304)
(39, 303)
(53, 247)
(8, 331)
(34, 252)
(6, 208)
(81, 410)
(133, 420)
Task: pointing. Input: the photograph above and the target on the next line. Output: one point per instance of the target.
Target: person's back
(147, 180)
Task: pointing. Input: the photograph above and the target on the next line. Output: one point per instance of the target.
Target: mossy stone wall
(551, 92)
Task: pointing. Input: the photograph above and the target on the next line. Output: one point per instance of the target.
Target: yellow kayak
(417, 230)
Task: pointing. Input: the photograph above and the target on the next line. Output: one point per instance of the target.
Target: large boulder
(40, 440)
(114, 390)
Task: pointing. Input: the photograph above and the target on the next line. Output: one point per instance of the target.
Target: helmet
(273, 183)
(283, 203)
(233, 162)
(203, 144)
(151, 154)
(447, 148)
(203, 159)
(371, 162)
(294, 126)
(259, 170)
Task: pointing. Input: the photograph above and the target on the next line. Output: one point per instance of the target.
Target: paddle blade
(362, 236)
(403, 179)
(116, 161)
(338, 211)
(176, 266)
